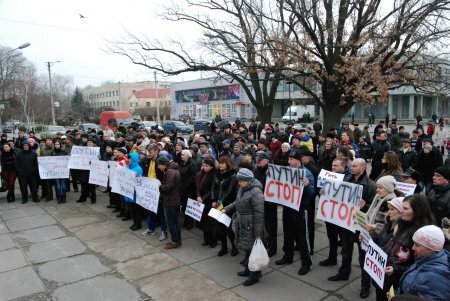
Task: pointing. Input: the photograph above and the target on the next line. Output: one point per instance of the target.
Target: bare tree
(357, 51)
(12, 64)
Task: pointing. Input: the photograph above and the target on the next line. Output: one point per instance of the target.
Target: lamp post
(158, 118)
(289, 82)
(49, 65)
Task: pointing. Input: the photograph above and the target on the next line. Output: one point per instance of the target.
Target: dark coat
(369, 188)
(26, 164)
(8, 160)
(227, 187)
(326, 158)
(426, 164)
(408, 159)
(439, 198)
(188, 170)
(170, 194)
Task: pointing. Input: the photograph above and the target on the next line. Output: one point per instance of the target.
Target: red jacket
(274, 147)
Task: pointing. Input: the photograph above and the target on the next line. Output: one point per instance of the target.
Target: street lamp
(289, 82)
(24, 45)
(49, 65)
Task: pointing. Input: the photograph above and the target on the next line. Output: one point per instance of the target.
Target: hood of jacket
(172, 165)
(134, 160)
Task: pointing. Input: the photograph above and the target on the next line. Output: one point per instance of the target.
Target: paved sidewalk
(78, 251)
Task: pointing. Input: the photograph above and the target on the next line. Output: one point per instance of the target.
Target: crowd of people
(226, 168)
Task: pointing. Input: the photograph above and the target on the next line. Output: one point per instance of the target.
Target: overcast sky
(56, 32)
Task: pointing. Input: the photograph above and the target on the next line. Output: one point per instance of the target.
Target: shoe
(64, 200)
(148, 232)
(327, 262)
(24, 201)
(81, 201)
(59, 201)
(121, 214)
(304, 269)
(338, 277)
(163, 236)
(234, 252)
(222, 252)
(249, 282)
(171, 245)
(116, 210)
(110, 206)
(364, 293)
(243, 274)
(48, 200)
(93, 201)
(126, 218)
(36, 200)
(283, 261)
(135, 227)
(243, 262)
(213, 245)
(271, 254)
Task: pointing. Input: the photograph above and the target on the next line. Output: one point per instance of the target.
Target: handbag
(259, 259)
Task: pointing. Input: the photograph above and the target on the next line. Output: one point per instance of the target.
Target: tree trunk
(332, 115)
(264, 114)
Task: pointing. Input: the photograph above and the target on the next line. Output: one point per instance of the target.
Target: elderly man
(439, 195)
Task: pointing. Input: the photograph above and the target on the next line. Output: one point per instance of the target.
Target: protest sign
(325, 174)
(147, 193)
(124, 181)
(53, 167)
(365, 240)
(360, 219)
(375, 262)
(338, 202)
(406, 188)
(99, 173)
(220, 217)
(194, 209)
(81, 162)
(112, 169)
(85, 151)
(284, 186)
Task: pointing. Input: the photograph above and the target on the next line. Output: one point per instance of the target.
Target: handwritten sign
(112, 169)
(123, 182)
(85, 151)
(194, 209)
(284, 186)
(328, 175)
(365, 240)
(220, 217)
(53, 167)
(360, 220)
(406, 188)
(375, 263)
(147, 193)
(99, 173)
(338, 202)
(81, 162)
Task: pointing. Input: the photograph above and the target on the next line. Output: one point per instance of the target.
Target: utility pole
(158, 118)
(49, 65)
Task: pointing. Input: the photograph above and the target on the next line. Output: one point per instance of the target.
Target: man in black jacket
(407, 155)
(27, 171)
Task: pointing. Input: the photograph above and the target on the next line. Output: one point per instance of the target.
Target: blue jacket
(134, 166)
(428, 277)
(308, 191)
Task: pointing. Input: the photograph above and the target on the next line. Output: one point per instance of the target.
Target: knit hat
(239, 145)
(181, 143)
(162, 160)
(122, 150)
(226, 141)
(295, 154)
(143, 152)
(194, 147)
(244, 174)
(397, 203)
(287, 145)
(209, 159)
(430, 237)
(186, 153)
(443, 171)
(388, 183)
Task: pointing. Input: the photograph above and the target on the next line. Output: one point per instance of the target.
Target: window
(147, 104)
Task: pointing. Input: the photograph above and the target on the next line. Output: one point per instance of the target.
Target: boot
(59, 201)
(13, 198)
(8, 198)
(127, 216)
(63, 200)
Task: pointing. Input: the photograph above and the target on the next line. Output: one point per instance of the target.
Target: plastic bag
(259, 259)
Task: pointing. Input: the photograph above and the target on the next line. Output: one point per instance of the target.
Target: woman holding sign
(249, 218)
(60, 184)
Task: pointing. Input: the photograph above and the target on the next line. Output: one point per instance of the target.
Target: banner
(375, 263)
(81, 162)
(53, 167)
(284, 186)
(328, 175)
(406, 188)
(338, 203)
(220, 217)
(147, 193)
(112, 170)
(85, 151)
(124, 181)
(99, 173)
(194, 209)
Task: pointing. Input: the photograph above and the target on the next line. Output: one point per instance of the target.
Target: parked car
(149, 125)
(202, 125)
(174, 125)
(86, 126)
(50, 131)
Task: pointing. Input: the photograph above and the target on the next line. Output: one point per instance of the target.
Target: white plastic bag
(259, 259)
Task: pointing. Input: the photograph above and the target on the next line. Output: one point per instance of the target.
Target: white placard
(81, 162)
(328, 175)
(112, 170)
(147, 193)
(406, 188)
(124, 182)
(375, 263)
(220, 217)
(99, 173)
(194, 209)
(85, 151)
(53, 167)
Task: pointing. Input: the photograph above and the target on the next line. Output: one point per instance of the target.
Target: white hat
(186, 152)
(388, 183)
(430, 237)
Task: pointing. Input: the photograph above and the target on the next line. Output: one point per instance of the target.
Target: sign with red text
(147, 193)
(284, 186)
(375, 263)
(338, 203)
(328, 175)
(194, 209)
(53, 167)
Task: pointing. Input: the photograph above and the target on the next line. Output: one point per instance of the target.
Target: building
(147, 102)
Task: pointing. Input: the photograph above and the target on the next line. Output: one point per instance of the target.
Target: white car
(149, 124)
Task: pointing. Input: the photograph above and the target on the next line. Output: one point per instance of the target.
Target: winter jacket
(281, 158)
(408, 158)
(227, 187)
(369, 189)
(439, 198)
(378, 210)
(188, 170)
(249, 216)
(170, 193)
(326, 158)
(439, 137)
(58, 152)
(134, 166)
(46, 151)
(427, 163)
(26, 163)
(428, 277)
(8, 160)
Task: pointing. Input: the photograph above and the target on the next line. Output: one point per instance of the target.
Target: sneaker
(163, 236)
(148, 232)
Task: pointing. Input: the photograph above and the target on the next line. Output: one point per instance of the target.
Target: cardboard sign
(194, 209)
(375, 263)
(53, 167)
(85, 151)
(220, 217)
(112, 169)
(99, 173)
(365, 240)
(328, 175)
(81, 162)
(124, 182)
(406, 188)
(338, 203)
(360, 220)
(147, 193)
(284, 186)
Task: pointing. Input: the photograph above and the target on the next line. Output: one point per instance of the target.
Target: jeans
(162, 219)
(61, 188)
(172, 222)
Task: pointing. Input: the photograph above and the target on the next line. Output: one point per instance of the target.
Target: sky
(58, 33)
